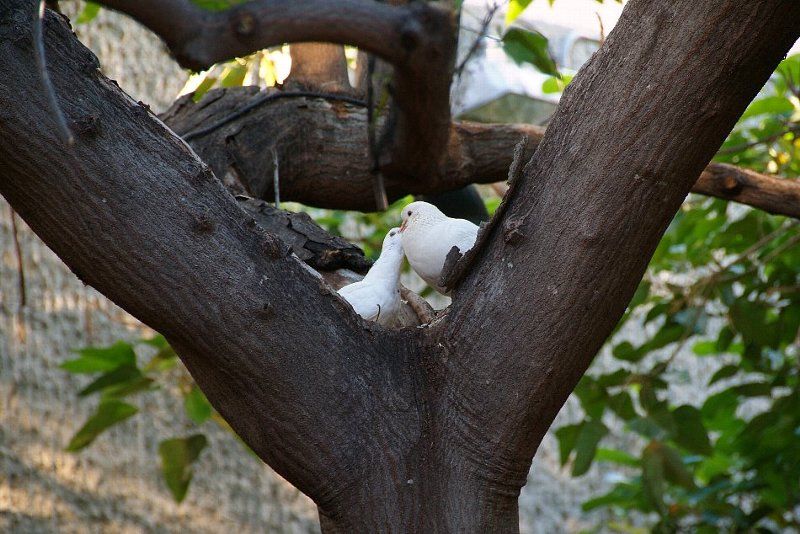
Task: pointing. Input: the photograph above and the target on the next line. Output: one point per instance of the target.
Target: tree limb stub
(418, 39)
(299, 388)
(333, 170)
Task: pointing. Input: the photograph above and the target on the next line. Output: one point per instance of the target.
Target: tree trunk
(391, 430)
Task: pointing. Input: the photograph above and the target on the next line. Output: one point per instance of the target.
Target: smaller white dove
(377, 296)
(428, 235)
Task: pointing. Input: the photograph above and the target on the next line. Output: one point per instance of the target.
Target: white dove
(428, 235)
(377, 296)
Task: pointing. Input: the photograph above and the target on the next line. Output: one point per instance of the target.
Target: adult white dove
(428, 235)
(377, 296)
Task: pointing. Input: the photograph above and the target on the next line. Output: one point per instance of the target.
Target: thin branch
(487, 20)
(418, 39)
(23, 298)
(476, 153)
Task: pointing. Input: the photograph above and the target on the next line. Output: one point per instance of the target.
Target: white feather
(377, 296)
(429, 235)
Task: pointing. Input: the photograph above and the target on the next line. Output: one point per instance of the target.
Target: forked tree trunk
(412, 430)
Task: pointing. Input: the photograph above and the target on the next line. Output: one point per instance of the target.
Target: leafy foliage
(117, 376)
(725, 281)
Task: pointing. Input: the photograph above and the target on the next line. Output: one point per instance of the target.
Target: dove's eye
(409, 213)
(391, 234)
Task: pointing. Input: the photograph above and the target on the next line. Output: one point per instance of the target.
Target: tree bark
(419, 40)
(339, 176)
(408, 430)
(318, 66)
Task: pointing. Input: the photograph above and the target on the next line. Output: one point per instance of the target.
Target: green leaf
(674, 469)
(586, 446)
(705, 348)
(623, 495)
(622, 405)
(98, 360)
(724, 372)
(88, 13)
(121, 375)
(615, 456)
(177, 456)
(557, 84)
(216, 5)
(109, 413)
(158, 341)
(197, 406)
(567, 436)
(774, 105)
(515, 9)
(653, 476)
(626, 351)
(524, 46)
(691, 433)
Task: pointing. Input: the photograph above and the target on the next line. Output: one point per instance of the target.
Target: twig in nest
(23, 298)
(425, 313)
(38, 42)
(263, 99)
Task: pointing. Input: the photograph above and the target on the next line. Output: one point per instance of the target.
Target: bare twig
(38, 42)
(23, 298)
(487, 20)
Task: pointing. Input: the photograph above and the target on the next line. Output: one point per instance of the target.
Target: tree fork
(412, 430)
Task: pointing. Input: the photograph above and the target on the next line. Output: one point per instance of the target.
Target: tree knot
(512, 232)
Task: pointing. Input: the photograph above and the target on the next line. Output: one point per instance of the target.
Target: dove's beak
(403, 226)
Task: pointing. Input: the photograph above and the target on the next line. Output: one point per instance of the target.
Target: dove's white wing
(363, 298)
(427, 248)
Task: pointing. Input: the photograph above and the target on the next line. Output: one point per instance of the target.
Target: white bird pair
(426, 236)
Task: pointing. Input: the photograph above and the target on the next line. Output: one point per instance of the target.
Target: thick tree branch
(134, 213)
(588, 213)
(318, 66)
(328, 166)
(418, 39)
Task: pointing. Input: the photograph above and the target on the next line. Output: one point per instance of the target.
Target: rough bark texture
(418, 39)
(588, 213)
(322, 149)
(339, 176)
(413, 430)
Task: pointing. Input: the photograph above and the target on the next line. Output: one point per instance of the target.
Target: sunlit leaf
(515, 9)
(108, 414)
(197, 406)
(525, 46)
(101, 359)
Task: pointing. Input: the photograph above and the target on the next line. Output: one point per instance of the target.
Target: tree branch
(134, 213)
(334, 171)
(589, 212)
(418, 39)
